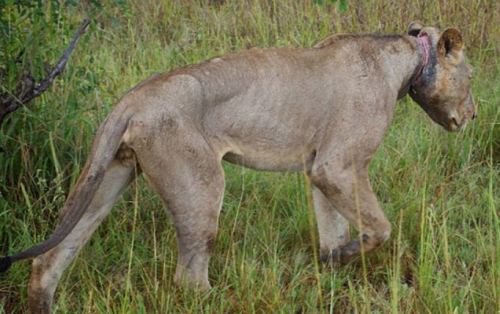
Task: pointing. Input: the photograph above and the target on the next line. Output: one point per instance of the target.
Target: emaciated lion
(324, 110)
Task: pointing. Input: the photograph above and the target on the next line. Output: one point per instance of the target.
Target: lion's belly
(263, 140)
(270, 125)
(272, 160)
(266, 136)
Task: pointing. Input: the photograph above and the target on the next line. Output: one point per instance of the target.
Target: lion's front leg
(333, 228)
(347, 188)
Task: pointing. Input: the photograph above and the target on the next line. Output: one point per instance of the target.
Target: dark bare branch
(27, 89)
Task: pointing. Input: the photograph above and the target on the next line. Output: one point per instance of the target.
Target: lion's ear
(414, 28)
(450, 43)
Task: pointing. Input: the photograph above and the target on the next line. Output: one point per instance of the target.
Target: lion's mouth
(454, 125)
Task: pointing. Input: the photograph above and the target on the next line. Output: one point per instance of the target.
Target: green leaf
(321, 2)
(343, 5)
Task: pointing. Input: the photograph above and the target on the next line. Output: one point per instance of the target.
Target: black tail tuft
(5, 263)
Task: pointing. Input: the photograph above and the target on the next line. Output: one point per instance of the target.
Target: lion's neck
(399, 59)
(406, 62)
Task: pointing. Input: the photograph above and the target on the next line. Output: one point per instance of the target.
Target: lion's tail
(104, 148)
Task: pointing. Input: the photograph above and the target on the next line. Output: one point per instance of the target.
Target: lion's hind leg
(187, 174)
(48, 267)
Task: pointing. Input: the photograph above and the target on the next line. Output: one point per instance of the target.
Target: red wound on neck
(424, 47)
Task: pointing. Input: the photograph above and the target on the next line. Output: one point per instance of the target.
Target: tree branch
(27, 89)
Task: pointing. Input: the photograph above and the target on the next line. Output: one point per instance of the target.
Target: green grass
(439, 190)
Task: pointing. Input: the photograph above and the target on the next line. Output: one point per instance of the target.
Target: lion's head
(443, 87)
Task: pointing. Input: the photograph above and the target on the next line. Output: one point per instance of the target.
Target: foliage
(341, 3)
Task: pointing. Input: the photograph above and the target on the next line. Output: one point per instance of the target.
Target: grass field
(439, 190)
